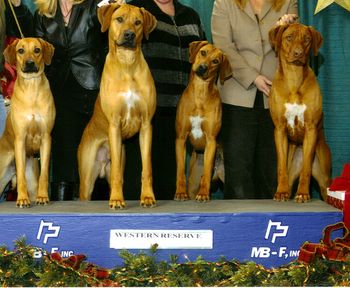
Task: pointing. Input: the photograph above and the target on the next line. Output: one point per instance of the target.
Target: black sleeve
(25, 20)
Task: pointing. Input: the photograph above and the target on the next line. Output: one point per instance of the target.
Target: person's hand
(263, 84)
(287, 19)
(16, 3)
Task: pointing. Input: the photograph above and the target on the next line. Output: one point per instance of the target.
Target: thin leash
(16, 20)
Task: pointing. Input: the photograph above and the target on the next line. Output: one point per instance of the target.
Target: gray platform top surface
(165, 206)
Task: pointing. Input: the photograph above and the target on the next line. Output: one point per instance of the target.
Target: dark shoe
(62, 191)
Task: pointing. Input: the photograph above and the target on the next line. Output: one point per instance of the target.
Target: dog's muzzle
(128, 39)
(30, 67)
(202, 70)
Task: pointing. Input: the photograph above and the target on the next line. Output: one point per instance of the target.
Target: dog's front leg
(309, 144)
(20, 157)
(43, 197)
(281, 142)
(209, 155)
(115, 143)
(181, 193)
(145, 138)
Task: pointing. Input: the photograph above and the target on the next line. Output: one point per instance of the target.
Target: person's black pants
(249, 152)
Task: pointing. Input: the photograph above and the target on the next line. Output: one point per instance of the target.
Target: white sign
(166, 239)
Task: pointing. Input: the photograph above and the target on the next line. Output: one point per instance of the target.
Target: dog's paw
(181, 196)
(202, 197)
(148, 202)
(281, 196)
(302, 198)
(23, 203)
(42, 201)
(116, 204)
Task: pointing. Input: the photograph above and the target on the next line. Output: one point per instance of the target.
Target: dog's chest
(196, 126)
(35, 128)
(131, 118)
(294, 115)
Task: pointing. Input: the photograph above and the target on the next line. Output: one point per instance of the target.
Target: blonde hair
(49, 7)
(276, 4)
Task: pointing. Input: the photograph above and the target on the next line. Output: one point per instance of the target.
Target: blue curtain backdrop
(332, 67)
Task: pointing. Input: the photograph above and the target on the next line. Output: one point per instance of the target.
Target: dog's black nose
(30, 66)
(202, 69)
(129, 35)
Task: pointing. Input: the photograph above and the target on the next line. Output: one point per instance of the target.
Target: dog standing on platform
(296, 110)
(198, 115)
(29, 122)
(124, 107)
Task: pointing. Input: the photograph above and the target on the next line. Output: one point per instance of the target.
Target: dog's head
(127, 24)
(209, 62)
(30, 56)
(293, 42)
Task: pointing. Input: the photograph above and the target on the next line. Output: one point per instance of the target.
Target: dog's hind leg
(89, 167)
(7, 172)
(195, 173)
(321, 168)
(32, 176)
(295, 161)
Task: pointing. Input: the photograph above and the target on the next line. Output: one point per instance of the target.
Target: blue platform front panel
(270, 239)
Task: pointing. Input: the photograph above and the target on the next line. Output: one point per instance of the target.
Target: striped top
(167, 49)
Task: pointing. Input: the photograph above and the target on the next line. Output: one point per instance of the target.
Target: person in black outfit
(73, 28)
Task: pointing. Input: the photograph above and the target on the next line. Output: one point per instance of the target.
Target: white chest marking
(130, 98)
(196, 122)
(35, 117)
(294, 111)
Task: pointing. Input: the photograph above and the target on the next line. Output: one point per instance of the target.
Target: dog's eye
(37, 50)
(307, 39)
(20, 51)
(203, 53)
(216, 61)
(120, 19)
(137, 22)
(289, 37)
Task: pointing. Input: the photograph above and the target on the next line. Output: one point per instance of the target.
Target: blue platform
(263, 231)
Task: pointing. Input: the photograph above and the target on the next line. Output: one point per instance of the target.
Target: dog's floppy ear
(194, 48)
(225, 70)
(104, 15)
(48, 51)
(275, 37)
(317, 40)
(149, 22)
(10, 53)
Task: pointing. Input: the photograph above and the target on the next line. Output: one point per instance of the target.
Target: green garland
(19, 268)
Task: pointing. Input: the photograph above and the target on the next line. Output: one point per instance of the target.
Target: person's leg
(133, 169)
(163, 153)
(266, 163)
(74, 107)
(238, 134)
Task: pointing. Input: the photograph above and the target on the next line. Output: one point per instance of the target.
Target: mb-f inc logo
(273, 231)
(278, 231)
(47, 230)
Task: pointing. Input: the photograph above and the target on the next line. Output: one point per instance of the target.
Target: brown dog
(198, 115)
(296, 110)
(124, 107)
(29, 122)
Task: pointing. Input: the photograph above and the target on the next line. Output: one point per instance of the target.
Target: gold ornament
(321, 4)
